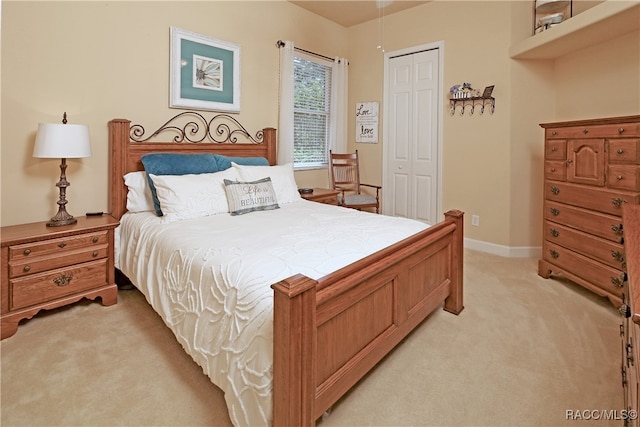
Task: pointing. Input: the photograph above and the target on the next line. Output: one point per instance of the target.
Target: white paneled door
(412, 149)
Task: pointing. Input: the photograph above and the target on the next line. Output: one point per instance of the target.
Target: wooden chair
(345, 176)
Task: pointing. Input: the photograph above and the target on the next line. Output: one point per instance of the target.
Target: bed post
(118, 142)
(454, 303)
(269, 139)
(294, 338)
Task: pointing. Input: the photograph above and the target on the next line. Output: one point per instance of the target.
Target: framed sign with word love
(367, 122)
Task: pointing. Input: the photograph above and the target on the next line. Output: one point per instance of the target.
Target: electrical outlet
(475, 220)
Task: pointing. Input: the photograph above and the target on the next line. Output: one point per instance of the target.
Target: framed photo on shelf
(205, 72)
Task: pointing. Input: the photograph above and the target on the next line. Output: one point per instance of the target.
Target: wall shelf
(472, 102)
(606, 21)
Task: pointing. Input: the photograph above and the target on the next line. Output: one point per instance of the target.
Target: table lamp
(62, 141)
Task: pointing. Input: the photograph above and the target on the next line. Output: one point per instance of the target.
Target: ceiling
(354, 12)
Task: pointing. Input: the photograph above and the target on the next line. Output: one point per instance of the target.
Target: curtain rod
(280, 44)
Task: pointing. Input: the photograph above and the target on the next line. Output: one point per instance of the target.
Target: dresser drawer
(555, 170)
(594, 131)
(624, 177)
(555, 150)
(605, 277)
(32, 250)
(624, 150)
(603, 250)
(27, 265)
(599, 199)
(38, 288)
(599, 224)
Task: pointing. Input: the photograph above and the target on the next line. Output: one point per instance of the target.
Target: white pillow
(139, 194)
(284, 183)
(192, 196)
(245, 197)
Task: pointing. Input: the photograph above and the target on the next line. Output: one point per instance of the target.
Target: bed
(321, 318)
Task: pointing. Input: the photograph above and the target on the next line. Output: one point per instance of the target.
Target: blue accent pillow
(224, 162)
(176, 164)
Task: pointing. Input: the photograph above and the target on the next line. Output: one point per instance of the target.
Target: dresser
(49, 267)
(591, 170)
(630, 327)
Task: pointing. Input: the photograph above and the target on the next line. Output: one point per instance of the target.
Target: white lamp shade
(62, 141)
(550, 6)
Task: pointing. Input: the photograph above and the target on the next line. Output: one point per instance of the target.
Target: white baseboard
(505, 251)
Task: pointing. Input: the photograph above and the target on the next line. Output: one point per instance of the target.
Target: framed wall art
(205, 72)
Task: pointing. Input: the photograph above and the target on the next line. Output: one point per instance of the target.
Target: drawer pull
(619, 177)
(95, 239)
(585, 131)
(95, 254)
(26, 268)
(62, 245)
(620, 151)
(63, 280)
(554, 211)
(617, 282)
(620, 130)
(554, 149)
(569, 161)
(617, 202)
(554, 254)
(27, 251)
(617, 229)
(553, 132)
(554, 232)
(555, 190)
(617, 255)
(553, 169)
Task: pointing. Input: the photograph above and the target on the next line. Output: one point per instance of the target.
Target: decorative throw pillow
(192, 196)
(284, 182)
(176, 164)
(139, 194)
(245, 197)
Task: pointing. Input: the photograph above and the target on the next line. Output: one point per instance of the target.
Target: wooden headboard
(192, 133)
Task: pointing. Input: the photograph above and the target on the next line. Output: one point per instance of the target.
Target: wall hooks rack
(472, 102)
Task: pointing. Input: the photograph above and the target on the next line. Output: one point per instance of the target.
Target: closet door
(412, 145)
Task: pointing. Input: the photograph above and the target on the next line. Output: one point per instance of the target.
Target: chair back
(345, 171)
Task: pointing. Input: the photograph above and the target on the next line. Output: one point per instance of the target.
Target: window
(311, 111)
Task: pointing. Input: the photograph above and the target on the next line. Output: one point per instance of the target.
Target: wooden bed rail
(381, 299)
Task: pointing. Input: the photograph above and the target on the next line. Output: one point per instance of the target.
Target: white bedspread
(209, 279)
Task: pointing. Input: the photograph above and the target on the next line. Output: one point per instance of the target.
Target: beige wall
(103, 60)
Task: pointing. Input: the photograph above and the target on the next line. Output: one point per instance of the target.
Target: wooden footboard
(329, 333)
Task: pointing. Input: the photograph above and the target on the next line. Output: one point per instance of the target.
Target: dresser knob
(95, 254)
(620, 151)
(620, 130)
(617, 282)
(619, 177)
(617, 255)
(554, 149)
(26, 268)
(585, 131)
(617, 229)
(554, 211)
(555, 190)
(27, 251)
(569, 161)
(554, 232)
(553, 169)
(95, 239)
(554, 254)
(62, 245)
(553, 132)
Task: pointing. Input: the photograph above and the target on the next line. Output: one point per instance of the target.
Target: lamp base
(61, 218)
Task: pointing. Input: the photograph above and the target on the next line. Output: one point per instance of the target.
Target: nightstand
(49, 267)
(323, 195)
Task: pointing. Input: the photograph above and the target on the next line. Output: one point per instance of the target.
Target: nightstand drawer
(26, 266)
(32, 250)
(38, 288)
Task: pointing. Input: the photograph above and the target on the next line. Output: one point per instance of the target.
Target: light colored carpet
(523, 352)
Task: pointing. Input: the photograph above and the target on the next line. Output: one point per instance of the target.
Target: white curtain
(285, 122)
(339, 114)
